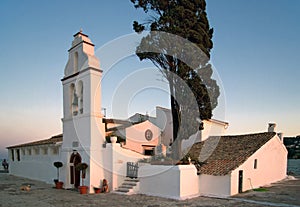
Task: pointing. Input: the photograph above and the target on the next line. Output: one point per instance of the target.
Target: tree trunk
(176, 120)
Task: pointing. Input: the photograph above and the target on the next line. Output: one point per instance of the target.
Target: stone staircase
(129, 186)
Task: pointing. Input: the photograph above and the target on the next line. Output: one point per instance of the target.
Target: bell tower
(83, 130)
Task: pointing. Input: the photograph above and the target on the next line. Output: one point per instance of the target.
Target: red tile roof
(221, 155)
(52, 140)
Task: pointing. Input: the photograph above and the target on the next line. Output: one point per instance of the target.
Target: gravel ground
(284, 193)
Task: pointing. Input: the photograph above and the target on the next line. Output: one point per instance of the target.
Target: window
(73, 100)
(149, 152)
(45, 151)
(55, 150)
(12, 154)
(18, 155)
(255, 164)
(36, 151)
(29, 151)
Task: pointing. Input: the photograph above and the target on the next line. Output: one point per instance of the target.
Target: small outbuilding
(233, 164)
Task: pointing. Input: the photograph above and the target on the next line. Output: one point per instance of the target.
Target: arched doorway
(75, 174)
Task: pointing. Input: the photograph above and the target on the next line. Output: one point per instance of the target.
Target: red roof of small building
(223, 154)
(52, 140)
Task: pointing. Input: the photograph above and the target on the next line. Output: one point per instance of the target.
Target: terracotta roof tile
(52, 140)
(221, 155)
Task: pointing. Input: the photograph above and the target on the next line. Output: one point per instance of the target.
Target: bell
(75, 101)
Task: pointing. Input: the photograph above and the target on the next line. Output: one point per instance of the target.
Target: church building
(109, 146)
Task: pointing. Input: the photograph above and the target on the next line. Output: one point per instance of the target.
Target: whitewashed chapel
(236, 163)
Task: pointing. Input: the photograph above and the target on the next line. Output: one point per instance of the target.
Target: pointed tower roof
(79, 38)
(81, 56)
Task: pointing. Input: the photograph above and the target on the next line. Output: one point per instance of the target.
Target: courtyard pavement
(285, 193)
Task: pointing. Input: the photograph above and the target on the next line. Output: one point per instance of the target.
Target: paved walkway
(281, 194)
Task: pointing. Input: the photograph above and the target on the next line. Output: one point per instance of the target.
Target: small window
(23, 152)
(18, 155)
(36, 151)
(12, 155)
(29, 151)
(45, 151)
(149, 152)
(55, 150)
(255, 164)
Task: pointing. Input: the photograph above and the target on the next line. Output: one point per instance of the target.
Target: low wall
(116, 159)
(176, 182)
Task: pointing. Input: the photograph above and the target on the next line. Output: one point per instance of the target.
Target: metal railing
(132, 170)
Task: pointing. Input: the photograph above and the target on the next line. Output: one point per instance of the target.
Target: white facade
(267, 165)
(271, 166)
(214, 186)
(142, 137)
(212, 127)
(35, 162)
(115, 162)
(83, 130)
(176, 182)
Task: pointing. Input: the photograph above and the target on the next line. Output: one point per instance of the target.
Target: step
(128, 185)
(131, 180)
(123, 190)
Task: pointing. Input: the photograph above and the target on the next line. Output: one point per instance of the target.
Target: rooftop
(221, 155)
(53, 140)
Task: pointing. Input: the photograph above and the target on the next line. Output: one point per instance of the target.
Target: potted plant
(58, 183)
(82, 168)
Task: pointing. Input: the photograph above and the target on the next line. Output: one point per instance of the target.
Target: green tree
(179, 45)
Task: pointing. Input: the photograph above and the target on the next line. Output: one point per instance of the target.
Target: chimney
(271, 127)
(280, 135)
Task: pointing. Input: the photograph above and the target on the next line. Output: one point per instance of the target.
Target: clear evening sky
(256, 54)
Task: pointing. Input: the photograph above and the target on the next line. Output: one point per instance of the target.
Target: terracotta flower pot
(83, 189)
(59, 185)
(97, 190)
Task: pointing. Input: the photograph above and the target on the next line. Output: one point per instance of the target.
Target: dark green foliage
(58, 165)
(179, 45)
(82, 167)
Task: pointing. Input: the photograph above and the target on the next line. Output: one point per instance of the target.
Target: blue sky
(256, 53)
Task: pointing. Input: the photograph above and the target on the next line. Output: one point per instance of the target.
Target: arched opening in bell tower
(80, 96)
(73, 100)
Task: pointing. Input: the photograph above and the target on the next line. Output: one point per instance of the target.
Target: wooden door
(240, 181)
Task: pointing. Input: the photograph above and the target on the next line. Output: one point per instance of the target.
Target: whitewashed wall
(115, 163)
(177, 182)
(37, 166)
(211, 128)
(271, 167)
(217, 186)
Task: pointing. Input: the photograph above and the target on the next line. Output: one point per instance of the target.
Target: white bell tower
(83, 130)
